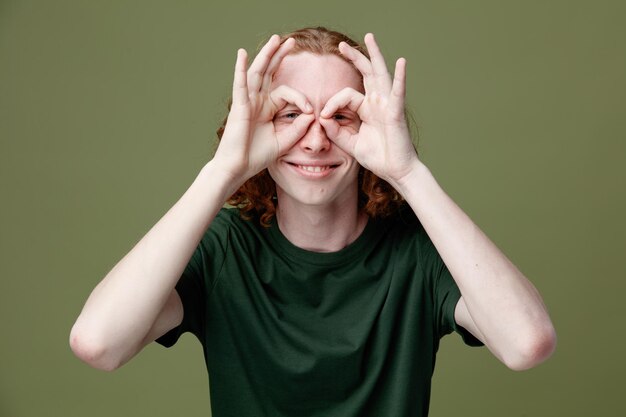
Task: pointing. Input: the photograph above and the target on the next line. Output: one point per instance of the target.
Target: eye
(347, 119)
(286, 116)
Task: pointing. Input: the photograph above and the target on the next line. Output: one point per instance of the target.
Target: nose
(315, 139)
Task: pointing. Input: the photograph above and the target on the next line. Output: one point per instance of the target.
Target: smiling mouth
(314, 169)
(317, 168)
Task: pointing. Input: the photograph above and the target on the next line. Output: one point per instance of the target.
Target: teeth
(313, 168)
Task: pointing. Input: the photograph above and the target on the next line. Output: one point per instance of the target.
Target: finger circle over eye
(346, 98)
(283, 95)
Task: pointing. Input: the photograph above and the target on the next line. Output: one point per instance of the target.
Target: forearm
(135, 302)
(123, 307)
(505, 307)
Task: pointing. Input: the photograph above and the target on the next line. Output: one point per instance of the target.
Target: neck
(320, 229)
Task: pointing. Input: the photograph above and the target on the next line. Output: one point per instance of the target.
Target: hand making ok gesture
(250, 142)
(383, 142)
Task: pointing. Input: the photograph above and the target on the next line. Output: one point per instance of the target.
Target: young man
(327, 291)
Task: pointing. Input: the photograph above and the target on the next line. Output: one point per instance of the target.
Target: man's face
(315, 171)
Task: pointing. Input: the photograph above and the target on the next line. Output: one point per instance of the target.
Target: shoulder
(217, 235)
(230, 228)
(403, 224)
(227, 216)
(406, 233)
(227, 219)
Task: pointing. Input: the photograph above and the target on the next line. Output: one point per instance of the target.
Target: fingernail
(308, 108)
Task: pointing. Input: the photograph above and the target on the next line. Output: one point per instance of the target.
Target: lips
(313, 170)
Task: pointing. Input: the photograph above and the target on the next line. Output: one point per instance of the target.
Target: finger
(348, 98)
(378, 62)
(277, 58)
(240, 87)
(283, 95)
(339, 135)
(289, 136)
(359, 60)
(398, 90)
(260, 63)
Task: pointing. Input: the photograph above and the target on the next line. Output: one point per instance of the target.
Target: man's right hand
(250, 142)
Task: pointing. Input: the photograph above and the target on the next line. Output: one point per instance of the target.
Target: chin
(309, 196)
(294, 188)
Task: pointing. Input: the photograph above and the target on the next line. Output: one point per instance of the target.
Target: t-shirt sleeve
(196, 283)
(446, 293)
(191, 290)
(447, 296)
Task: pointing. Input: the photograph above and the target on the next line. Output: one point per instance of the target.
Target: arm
(136, 302)
(120, 316)
(498, 304)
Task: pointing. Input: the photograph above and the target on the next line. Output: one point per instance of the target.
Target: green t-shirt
(289, 332)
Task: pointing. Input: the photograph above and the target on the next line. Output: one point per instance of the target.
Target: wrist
(411, 179)
(219, 179)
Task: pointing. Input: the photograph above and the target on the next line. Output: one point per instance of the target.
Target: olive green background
(107, 112)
